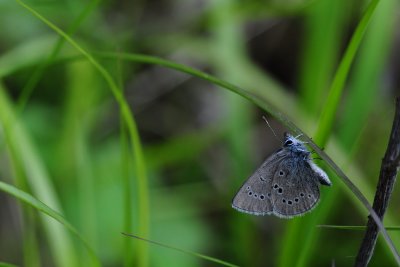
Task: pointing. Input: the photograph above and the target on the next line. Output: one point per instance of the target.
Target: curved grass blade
(140, 169)
(356, 227)
(40, 206)
(37, 74)
(335, 92)
(264, 104)
(195, 254)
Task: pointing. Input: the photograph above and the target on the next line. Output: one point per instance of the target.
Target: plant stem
(387, 178)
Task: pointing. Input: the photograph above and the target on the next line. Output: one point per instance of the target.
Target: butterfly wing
(254, 197)
(295, 188)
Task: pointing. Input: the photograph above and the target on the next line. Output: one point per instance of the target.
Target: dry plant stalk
(387, 178)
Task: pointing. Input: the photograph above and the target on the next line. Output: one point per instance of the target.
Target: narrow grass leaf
(335, 92)
(40, 206)
(4, 264)
(357, 227)
(321, 50)
(367, 73)
(37, 74)
(195, 254)
(228, 52)
(126, 158)
(73, 146)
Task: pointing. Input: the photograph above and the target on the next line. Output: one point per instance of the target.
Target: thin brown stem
(387, 178)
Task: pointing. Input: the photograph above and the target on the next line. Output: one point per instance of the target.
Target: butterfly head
(292, 143)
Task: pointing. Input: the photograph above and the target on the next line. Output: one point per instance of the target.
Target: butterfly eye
(288, 143)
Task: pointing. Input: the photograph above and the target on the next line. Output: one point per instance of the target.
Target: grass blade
(357, 227)
(4, 264)
(37, 74)
(40, 206)
(228, 50)
(367, 72)
(73, 146)
(195, 254)
(335, 92)
(321, 50)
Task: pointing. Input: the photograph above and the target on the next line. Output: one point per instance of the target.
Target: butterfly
(285, 185)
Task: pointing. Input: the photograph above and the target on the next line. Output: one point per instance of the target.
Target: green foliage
(79, 156)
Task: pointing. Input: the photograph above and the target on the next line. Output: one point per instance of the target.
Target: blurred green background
(169, 172)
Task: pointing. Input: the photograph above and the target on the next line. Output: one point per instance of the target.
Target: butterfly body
(285, 185)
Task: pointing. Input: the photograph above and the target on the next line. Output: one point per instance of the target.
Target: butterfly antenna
(265, 118)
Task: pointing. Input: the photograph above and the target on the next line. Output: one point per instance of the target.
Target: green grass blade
(72, 150)
(40, 206)
(195, 254)
(367, 72)
(128, 205)
(126, 158)
(37, 74)
(228, 59)
(140, 169)
(357, 227)
(4, 264)
(320, 50)
(31, 241)
(26, 160)
(335, 92)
